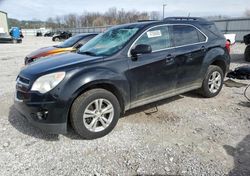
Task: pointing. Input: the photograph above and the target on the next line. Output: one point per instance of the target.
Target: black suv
(127, 66)
(61, 36)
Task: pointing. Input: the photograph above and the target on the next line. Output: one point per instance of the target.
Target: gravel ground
(188, 135)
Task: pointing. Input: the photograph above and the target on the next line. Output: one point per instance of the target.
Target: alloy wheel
(214, 82)
(98, 115)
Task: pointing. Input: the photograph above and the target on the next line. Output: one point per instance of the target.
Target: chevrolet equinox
(125, 67)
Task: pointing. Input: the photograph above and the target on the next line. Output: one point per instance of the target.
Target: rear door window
(186, 35)
(158, 38)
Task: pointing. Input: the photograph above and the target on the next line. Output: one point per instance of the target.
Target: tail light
(228, 45)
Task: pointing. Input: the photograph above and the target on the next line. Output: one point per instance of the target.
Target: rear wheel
(213, 82)
(57, 39)
(247, 53)
(95, 113)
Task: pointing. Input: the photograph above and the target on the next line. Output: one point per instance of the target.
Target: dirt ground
(188, 135)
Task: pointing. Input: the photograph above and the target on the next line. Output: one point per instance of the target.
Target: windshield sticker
(152, 34)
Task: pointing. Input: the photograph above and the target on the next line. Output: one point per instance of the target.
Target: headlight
(47, 82)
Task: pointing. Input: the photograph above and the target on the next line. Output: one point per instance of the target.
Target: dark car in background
(61, 36)
(48, 34)
(39, 34)
(71, 44)
(125, 67)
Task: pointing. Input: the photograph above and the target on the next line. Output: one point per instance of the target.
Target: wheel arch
(219, 57)
(103, 85)
(220, 63)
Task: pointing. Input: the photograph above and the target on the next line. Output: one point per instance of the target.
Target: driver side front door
(153, 75)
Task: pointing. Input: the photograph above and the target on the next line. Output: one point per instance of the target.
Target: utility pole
(163, 12)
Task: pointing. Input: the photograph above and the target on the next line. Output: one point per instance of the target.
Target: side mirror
(141, 49)
(77, 46)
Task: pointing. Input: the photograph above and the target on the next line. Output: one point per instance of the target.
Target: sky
(43, 9)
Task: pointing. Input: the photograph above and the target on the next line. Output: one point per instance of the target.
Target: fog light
(42, 115)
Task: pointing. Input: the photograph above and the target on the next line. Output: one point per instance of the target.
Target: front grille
(22, 86)
(23, 81)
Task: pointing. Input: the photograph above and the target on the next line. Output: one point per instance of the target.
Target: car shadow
(147, 108)
(241, 155)
(193, 94)
(23, 126)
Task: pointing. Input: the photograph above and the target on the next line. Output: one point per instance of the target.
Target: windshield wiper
(87, 53)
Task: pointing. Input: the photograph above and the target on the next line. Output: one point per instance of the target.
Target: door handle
(203, 48)
(170, 59)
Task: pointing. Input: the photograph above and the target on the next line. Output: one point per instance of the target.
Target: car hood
(56, 63)
(41, 52)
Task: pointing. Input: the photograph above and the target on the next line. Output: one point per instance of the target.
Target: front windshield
(108, 43)
(69, 42)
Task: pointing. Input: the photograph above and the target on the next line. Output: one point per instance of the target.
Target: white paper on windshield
(152, 34)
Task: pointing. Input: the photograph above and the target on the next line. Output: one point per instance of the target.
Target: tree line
(112, 16)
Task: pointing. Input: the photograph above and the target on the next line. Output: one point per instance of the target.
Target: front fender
(77, 81)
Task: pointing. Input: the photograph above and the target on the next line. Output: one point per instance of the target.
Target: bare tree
(155, 15)
(112, 16)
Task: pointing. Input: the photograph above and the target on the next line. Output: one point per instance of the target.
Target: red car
(69, 45)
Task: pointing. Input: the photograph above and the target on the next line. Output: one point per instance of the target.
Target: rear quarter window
(186, 35)
(213, 30)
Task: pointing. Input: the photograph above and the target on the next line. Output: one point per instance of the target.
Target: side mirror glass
(141, 49)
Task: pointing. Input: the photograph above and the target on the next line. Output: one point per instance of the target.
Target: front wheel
(95, 113)
(213, 82)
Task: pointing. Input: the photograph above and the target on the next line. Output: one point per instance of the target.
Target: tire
(86, 103)
(212, 87)
(247, 53)
(56, 39)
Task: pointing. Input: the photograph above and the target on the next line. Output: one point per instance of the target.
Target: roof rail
(184, 19)
(146, 20)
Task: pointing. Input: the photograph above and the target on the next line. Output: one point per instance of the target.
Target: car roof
(169, 20)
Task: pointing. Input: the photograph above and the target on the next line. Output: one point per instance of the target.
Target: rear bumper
(50, 123)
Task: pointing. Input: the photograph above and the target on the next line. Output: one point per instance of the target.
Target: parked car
(71, 44)
(125, 67)
(61, 36)
(247, 50)
(39, 34)
(5, 38)
(231, 38)
(48, 34)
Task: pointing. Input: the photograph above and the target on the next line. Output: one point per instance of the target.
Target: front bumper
(49, 116)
